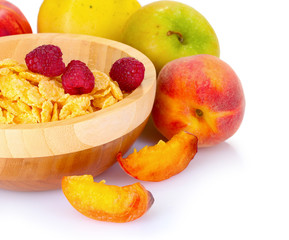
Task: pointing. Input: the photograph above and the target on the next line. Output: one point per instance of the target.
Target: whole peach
(200, 94)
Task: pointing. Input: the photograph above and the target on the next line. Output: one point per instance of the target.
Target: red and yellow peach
(200, 94)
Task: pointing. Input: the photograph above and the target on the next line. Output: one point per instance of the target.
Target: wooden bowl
(35, 157)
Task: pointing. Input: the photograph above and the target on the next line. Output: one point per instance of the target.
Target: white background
(236, 190)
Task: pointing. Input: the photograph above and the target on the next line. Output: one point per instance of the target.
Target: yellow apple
(93, 17)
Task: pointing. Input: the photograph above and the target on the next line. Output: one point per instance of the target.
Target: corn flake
(6, 117)
(10, 106)
(76, 105)
(14, 87)
(33, 77)
(23, 106)
(101, 81)
(52, 90)
(104, 102)
(8, 62)
(55, 113)
(18, 68)
(46, 113)
(115, 90)
(25, 118)
(36, 112)
(4, 71)
(102, 93)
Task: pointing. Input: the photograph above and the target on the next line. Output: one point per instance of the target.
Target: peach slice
(161, 161)
(104, 202)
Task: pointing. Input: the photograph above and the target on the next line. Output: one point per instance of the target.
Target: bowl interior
(80, 133)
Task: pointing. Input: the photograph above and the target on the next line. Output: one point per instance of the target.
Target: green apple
(167, 30)
(93, 17)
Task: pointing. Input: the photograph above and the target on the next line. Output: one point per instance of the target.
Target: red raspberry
(77, 78)
(46, 60)
(128, 73)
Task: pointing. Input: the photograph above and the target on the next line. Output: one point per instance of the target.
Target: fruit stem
(179, 35)
(199, 112)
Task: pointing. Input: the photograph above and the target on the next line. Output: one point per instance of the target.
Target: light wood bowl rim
(146, 89)
(131, 51)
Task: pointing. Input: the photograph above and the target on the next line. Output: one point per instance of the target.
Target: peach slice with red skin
(161, 161)
(103, 202)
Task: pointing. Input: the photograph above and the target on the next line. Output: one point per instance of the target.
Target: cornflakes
(115, 90)
(51, 90)
(101, 81)
(18, 68)
(104, 102)
(14, 87)
(76, 105)
(36, 112)
(6, 117)
(10, 106)
(102, 93)
(25, 118)
(55, 113)
(33, 77)
(4, 71)
(8, 62)
(46, 113)
(28, 97)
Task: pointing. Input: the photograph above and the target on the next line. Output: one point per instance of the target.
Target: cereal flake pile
(28, 97)
(46, 90)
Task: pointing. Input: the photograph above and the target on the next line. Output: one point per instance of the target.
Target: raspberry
(128, 73)
(77, 78)
(46, 60)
